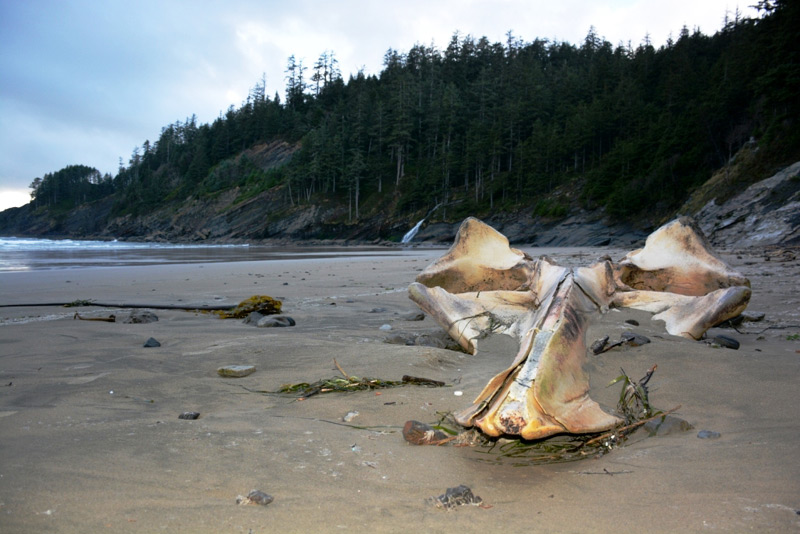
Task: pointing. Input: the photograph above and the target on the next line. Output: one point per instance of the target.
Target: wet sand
(90, 438)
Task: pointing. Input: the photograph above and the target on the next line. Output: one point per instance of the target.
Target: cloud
(85, 81)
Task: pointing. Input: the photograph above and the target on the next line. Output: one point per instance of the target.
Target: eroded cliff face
(766, 213)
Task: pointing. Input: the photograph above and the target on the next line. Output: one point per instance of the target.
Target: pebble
(140, 317)
(236, 371)
(350, 416)
(632, 322)
(189, 415)
(275, 321)
(725, 341)
(386, 327)
(255, 497)
(152, 342)
(458, 496)
(412, 316)
(708, 434)
(633, 339)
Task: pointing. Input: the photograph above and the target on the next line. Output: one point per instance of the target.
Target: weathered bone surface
(482, 285)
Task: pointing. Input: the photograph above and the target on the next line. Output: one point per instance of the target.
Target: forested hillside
(476, 128)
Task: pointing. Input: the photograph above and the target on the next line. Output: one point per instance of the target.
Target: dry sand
(90, 439)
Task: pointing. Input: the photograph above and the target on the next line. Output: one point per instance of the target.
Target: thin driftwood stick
(109, 319)
(339, 367)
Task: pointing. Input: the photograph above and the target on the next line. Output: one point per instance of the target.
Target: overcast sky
(86, 81)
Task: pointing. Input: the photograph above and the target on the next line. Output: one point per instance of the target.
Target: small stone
(152, 342)
(599, 345)
(458, 496)
(189, 415)
(725, 341)
(418, 433)
(255, 497)
(140, 317)
(632, 322)
(386, 327)
(378, 310)
(236, 371)
(633, 339)
(350, 416)
(708, 434)
(412, 316)
(253, 318)
(275, 321)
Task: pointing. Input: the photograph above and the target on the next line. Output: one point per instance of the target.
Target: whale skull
(482, 285)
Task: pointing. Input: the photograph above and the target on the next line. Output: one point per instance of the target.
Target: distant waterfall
(411, 233)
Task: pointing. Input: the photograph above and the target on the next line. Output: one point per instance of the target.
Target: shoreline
(79, 458)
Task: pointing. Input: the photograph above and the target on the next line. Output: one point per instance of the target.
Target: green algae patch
(262, 304)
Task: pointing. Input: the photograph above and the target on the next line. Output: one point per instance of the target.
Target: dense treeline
(483, 126)
(71, 186)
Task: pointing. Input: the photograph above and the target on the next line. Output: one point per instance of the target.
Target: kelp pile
(347, 383)
(262, 304)
(633, 407)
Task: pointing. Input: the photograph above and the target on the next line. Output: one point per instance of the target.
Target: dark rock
(725, 341)
(458, 496)
(633, 339)
(708, 434)
(632, 322)
(152, 342)
(276, 321)
(666, 425)
(140, 317)
(598, 346)
(189, 415)
(377, 310)
(255, 497)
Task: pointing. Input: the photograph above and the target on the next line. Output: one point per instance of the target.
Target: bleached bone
(482, 285)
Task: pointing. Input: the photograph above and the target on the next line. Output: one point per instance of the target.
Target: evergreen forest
(478, 128)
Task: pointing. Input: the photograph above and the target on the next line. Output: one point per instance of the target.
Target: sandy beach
(90, 439)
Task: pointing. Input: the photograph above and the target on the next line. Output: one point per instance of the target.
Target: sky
(85, 82)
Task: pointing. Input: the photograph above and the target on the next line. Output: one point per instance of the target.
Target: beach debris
(386, 327)
(151, 342)
(255, 497)
(419, 381)
(263, 304)
(453, 497)
(275, 321)
(482, 286)
(708, 434)
(189, 415)
(349, 416)
(109, 319)
(725, 341)
(236, 371)
(140, 317)
(418, 433)
(349, 382)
